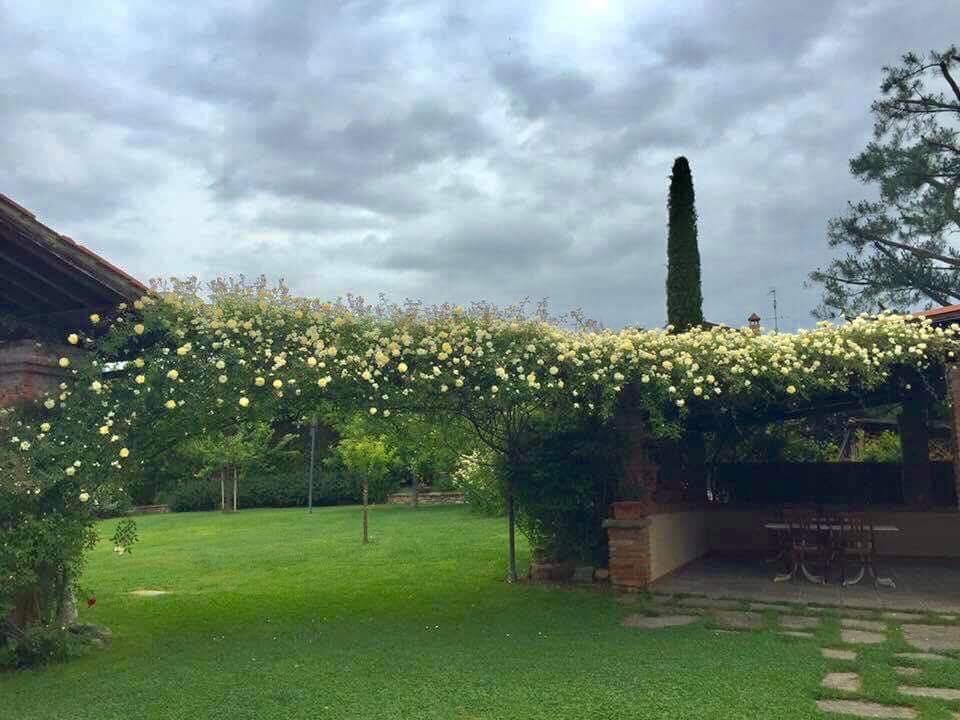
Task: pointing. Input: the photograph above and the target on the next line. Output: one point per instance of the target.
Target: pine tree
(684, 297)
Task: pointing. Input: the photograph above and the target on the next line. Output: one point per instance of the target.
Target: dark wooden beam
(59, 288)
(55, 262)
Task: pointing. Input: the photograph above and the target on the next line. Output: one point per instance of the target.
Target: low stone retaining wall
(427, 498)
(149, 509)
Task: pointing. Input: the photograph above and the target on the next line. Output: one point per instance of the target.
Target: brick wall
(29, 369)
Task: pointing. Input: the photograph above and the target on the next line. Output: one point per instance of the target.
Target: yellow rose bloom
(73, 338)
(124, 452)
(244, 401)
(64, 362)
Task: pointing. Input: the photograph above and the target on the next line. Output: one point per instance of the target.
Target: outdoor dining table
(824, 524)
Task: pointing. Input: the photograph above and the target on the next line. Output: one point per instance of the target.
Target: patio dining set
(817, 545)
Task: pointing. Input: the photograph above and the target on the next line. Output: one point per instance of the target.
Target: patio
(931, 585)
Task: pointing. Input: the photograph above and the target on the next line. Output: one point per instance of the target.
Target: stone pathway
(647, 622)
(861, 637)
(930, 692)
(711, 603)
(845, 681)
(835, 654)
(799, 622)
(932, 637)
(930, 642)
(866, 709)
(741, 620)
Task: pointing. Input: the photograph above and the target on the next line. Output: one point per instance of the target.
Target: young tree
(897, 250)
(371, 458)
(684, 296)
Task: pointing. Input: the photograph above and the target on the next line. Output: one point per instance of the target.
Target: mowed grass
(282, 614)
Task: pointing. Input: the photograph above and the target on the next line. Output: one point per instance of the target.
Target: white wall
(676, 538)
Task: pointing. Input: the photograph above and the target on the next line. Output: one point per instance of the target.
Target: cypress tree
(684, 297)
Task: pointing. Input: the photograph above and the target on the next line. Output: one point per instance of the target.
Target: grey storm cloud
(451, 152)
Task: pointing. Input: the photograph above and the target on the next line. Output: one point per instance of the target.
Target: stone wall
(427, 498)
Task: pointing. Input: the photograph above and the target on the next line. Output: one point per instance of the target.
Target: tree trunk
(511, 534)
(366, 493)
(228, 487)
(416, 492)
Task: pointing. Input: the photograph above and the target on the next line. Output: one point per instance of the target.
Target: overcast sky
(452, 151)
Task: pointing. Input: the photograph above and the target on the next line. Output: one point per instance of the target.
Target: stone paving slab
(710, 603)
(871, 625)
(930, 692)
(903, 616)
(760, 607)
(799, 622)
(646, 622)
(932, 637)
(853, 613)
(739, 620)
(845, 681)
(837, 654)
(933, 657)
(866, 709)
(861, 637)
(907, 671)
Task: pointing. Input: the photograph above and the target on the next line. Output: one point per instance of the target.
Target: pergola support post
(915, 448)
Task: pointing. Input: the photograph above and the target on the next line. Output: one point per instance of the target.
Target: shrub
(38, 645)
(478, 476)
(563, 483)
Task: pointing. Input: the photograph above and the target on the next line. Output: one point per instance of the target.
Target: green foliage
(897, 251)
(479, 477)
(783, 442)
(883, 447)
(564, 482)
(39, 645)
(684, 294)
(370, 458)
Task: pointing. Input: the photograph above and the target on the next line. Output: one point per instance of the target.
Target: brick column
(639, 472)
(29, 369)
(629, 541)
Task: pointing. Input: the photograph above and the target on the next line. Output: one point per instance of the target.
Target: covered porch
(929, 585)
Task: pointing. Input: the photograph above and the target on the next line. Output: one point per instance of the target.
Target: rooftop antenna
(776, 314)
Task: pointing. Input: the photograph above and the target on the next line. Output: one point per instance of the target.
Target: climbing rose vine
(171, 367)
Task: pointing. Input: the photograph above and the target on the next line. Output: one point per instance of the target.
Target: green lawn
(281, 614)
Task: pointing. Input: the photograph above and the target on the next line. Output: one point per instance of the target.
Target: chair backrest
(857, 530)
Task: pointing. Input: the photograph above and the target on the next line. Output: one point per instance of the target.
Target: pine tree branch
(945, 71)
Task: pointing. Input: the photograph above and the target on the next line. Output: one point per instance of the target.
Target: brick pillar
(953, 395)
(629, 540)
(29, 370)
(915, 445)
(639, 472)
